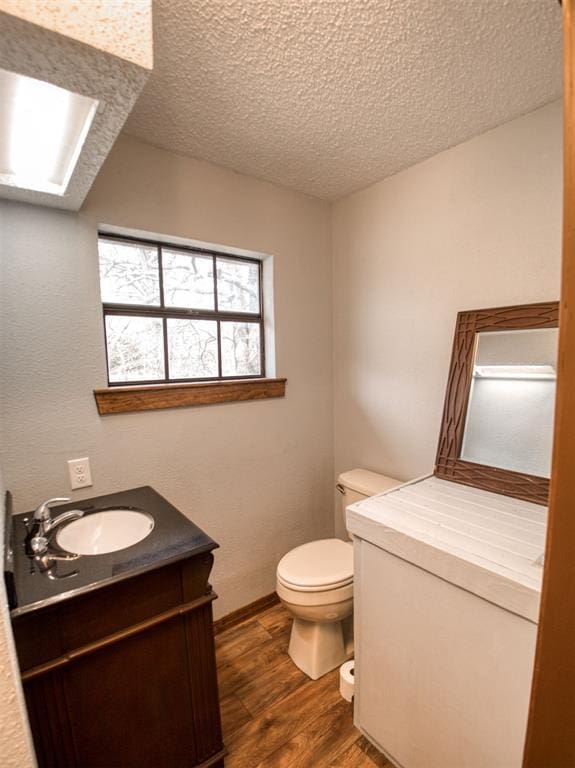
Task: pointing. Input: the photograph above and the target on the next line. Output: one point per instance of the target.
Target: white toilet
(315, 583)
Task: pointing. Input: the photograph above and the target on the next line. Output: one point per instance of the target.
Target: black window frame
(165, 313)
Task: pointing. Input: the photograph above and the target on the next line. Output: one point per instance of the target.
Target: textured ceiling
(329, 96)
(120, 27)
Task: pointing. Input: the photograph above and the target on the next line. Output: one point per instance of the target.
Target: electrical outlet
(80, 474)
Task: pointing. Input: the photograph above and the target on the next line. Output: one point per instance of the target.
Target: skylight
(515, 372)
(42, 131)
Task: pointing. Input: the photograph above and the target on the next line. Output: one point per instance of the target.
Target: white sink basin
(103, 532)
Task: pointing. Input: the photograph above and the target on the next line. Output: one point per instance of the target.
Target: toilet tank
(359, 484)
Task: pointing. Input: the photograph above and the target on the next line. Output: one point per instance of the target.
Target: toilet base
(318, 647)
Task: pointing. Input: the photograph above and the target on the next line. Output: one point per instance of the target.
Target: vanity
(448, 568)
(116, 650)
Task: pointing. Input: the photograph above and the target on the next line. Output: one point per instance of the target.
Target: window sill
(151, 397)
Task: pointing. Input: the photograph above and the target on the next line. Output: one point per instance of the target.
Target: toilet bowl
(315, 583)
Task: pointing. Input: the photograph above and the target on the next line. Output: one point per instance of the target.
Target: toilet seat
(317, 597)
(317, 566)
(327, 588)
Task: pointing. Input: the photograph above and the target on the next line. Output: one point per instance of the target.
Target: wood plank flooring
(273, 716)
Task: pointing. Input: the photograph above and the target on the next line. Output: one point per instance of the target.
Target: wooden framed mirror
(497, 425)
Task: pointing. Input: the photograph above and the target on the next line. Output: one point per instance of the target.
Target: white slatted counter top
(483, 542)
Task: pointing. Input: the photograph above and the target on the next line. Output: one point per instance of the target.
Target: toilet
(315, 583)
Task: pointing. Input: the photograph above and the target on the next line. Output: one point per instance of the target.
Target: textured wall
(15, 745)
(476, 226)
(258, 476)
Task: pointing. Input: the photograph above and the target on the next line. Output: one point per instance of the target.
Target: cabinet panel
(204, 682)
(442, 676)
(133, 699)
(37, 637)
(49, 721)
(119, 605)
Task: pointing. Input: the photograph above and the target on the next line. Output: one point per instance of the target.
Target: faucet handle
(43, 513)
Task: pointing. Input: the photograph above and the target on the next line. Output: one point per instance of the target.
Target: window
(177, 314)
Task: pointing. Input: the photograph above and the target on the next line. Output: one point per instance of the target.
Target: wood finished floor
(273, 716)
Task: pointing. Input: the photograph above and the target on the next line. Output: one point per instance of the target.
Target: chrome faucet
(45, 523)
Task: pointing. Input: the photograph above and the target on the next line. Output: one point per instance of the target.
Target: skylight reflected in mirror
(509, 420)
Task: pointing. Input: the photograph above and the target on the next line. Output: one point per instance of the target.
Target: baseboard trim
(252, 609)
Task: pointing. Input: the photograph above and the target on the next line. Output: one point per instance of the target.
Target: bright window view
(179, 314)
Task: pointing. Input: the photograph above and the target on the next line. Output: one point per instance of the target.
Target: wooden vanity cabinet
(125, 675)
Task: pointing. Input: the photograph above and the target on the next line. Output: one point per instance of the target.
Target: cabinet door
(130, 703)
(442, 676)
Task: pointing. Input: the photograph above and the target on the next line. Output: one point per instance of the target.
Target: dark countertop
(174, 537)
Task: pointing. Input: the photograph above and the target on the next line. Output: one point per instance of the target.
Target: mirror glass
(509, 420)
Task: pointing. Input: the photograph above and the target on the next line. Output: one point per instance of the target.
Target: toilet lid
(324, 563)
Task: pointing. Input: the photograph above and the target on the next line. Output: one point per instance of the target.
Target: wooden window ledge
(150, 397)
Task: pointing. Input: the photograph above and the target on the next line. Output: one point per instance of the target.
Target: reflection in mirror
(509, 420)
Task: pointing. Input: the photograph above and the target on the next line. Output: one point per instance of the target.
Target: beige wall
(257, 476)
(476, 226)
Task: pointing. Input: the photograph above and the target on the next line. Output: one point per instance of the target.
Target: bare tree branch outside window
(179, 314)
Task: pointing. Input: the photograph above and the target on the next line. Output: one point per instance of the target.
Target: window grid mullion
(161, 276)
(164, 319)
(261, 319)
(179, 314)
(219, 349)
(262, 350)
(166, 354)
(215, 271)
(164, 314)
(216, 310)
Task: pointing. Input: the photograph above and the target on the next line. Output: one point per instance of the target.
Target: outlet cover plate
(80, 473)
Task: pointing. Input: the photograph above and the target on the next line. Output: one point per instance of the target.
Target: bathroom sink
(106, 531)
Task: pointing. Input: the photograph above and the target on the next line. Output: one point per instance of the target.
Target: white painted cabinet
(446, 593)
